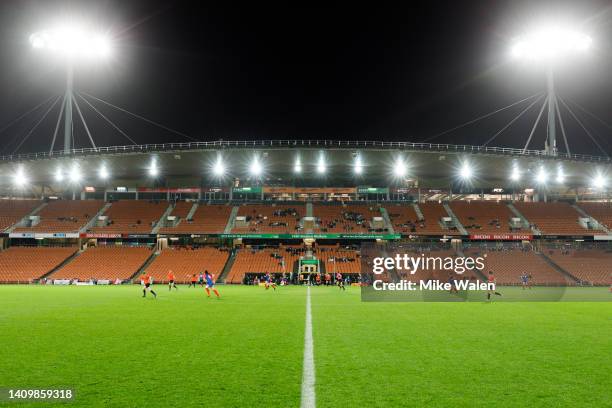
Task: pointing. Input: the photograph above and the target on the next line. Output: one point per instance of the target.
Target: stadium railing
(272, 144)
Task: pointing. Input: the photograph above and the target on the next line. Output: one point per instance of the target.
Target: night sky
(223, 70)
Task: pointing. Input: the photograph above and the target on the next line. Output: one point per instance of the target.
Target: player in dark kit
(340, 281)
(491, 279)
(201, 279)
(525, 280)
(269, 282)
(451, 280)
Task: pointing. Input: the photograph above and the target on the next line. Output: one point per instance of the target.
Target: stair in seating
(144, 266)
(93, 221)
(227, 268)
(557, 268)
(598, 225)
(161, 220)
(524, 220)
(60, 266)
(22, 222)
(231, 220)
(418, 211)
(458, 224)
(388, 223)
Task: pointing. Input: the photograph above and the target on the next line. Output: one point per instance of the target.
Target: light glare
(71, 40)
(400, 168)
(321, 167)
(59, 175)
(19, 178)
(103, 172)
(298, 166)
(560, 176)
(542, 176)
(466, 172)
(256, 168)
(516, 174)
(75, 174)
(358, 169)
(153, 169)
(550, 43)
(599, 181)
(219, 168)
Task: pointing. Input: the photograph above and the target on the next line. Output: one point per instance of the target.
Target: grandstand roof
(434, 165)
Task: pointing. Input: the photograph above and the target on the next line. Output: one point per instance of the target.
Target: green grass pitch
(245, 350)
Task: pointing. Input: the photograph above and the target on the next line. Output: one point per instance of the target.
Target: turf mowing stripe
(308, 374)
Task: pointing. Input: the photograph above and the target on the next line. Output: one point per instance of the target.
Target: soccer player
(525, 280)
(210, 284)
(171, 283)
(147, 280)
(491, 279)
(340, 281)
(451, 280)
(201, 279)
(193, 281)
(269, 281)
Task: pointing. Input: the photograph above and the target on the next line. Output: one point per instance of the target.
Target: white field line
(308, 374)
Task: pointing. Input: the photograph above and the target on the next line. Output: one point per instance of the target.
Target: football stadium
(463, 260)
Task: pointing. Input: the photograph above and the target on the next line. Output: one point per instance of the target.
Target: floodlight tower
(73, 45)
(549, 46)
(68, 126)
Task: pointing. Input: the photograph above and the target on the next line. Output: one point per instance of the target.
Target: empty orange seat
(207, 219)
(12, 211)
(185, 262)
(132, 216)
(65, 216)
(104, 262)
(23, 264)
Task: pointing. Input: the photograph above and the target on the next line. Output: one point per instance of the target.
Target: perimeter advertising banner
(501, 237)
(310, 190)
(43, 235)
(315, 236)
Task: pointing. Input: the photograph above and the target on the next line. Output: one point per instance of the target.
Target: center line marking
(308, 374)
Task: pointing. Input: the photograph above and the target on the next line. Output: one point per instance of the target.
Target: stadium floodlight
(599, 181)
(548, 46)
(358, 166)
(515, 175)
(103, 173)
(542, 176)
(560, 175)
(73, 43)
(75, 174)
(466, 172)
(550, 43)
(59, 175)
(256, 168)
(399, 168)
(219, 167)
(153, 168)
(297, 168)
(321, 166)
(20, 179)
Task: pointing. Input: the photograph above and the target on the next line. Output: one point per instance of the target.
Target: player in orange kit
(171, 283)
(147, 281)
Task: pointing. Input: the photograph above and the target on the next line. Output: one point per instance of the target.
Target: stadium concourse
(114, 241)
